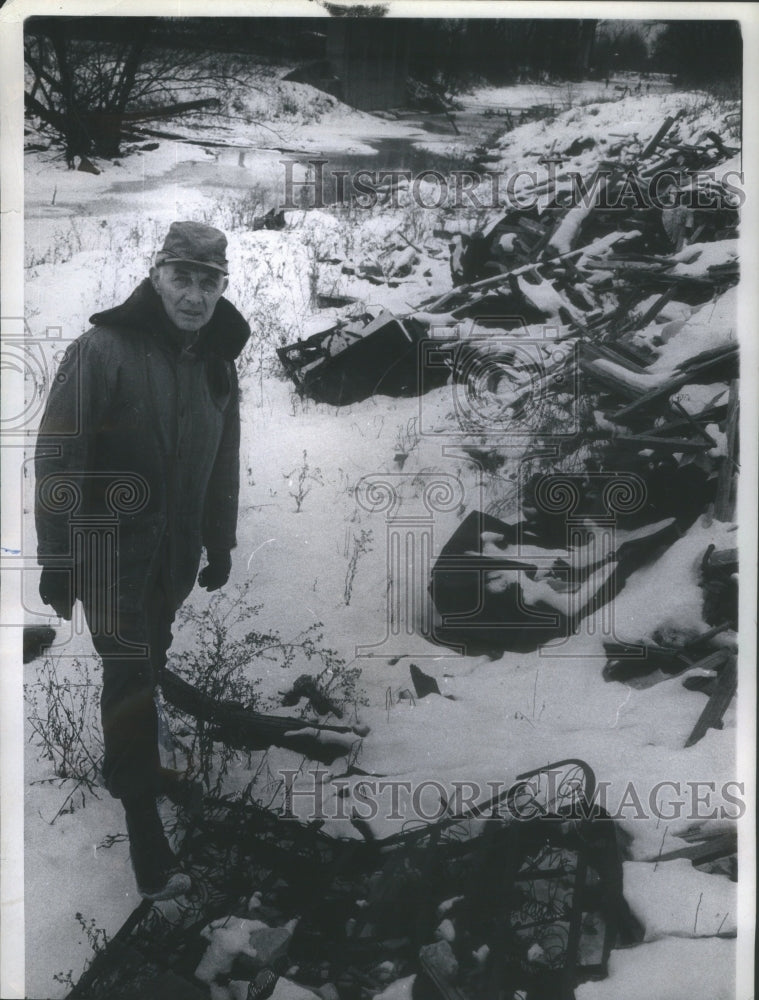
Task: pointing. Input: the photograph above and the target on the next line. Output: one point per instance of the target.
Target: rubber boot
(155, 865)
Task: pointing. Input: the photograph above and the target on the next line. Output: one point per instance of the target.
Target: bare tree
(92, 94)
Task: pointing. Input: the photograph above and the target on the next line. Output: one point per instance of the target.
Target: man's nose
(194, 292)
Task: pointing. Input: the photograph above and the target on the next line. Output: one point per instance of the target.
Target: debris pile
(521, 892)
(629, 264)
(644, 302)
(498, 586)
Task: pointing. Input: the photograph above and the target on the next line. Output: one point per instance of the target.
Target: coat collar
(225, 334)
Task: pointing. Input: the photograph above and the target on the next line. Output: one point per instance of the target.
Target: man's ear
(154, 276)
(224, 284)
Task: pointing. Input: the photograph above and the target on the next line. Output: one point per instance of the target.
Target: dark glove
(55, 590)
(216, 573)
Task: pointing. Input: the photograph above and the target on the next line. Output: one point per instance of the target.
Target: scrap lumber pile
(708, 661)
(620, 262)
(645, 296)
(473, 904)
(631, 270)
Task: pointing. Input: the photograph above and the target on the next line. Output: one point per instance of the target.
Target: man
(137, 468)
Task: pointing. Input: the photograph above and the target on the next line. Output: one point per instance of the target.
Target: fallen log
(245, 729)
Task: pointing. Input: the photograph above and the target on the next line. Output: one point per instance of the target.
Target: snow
(89, 240)
(712, 325)
(228, 938)
(676, 969)
(673, 899)
(568, 229)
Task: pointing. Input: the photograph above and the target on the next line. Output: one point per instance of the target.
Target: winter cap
(194, 243)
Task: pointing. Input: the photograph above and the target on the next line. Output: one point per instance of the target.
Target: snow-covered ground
(89, 239)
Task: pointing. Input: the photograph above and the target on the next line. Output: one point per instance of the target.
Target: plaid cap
(194, 243)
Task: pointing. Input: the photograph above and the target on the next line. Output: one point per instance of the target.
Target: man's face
(189, 293)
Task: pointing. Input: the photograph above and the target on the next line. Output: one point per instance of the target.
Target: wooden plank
(696, 426)
(710, 415)
(672, 384)
(609, 380)
(665, 126)
(724, 505)
(704, 850)
(641, 322)
(660, 443)
(618, 354)
(713, 661)
(724, 692)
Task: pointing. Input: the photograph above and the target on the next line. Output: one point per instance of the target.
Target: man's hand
(216, 573)
(55, 590)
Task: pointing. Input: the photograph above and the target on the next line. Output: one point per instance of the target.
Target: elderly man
(137, 468)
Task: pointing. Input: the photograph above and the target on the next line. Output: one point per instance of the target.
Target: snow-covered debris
(228, 938)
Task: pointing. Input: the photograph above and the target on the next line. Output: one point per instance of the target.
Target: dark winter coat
(139, 443)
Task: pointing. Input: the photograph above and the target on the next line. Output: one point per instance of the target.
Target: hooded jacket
(137, 458)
